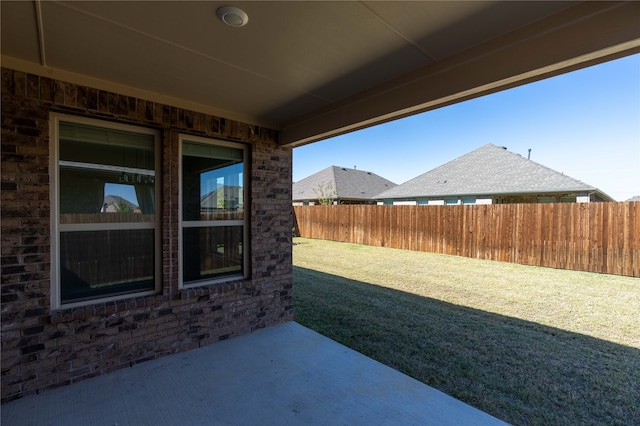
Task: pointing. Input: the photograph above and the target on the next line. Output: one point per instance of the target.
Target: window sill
(209, 287)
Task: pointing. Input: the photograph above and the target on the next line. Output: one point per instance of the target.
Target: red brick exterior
(44, 348)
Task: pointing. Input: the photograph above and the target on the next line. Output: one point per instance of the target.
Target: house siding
(44, 348)
(568, 197)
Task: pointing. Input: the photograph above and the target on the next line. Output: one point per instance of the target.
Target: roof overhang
(313, 70)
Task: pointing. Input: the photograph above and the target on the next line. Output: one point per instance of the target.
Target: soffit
(290, 65)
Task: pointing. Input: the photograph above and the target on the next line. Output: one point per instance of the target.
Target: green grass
(528, 345)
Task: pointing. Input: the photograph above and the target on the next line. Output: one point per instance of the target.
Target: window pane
(96, 145)
(120, 198)
(105, 171)
(212, 183)
(210, 252)
(105, 263)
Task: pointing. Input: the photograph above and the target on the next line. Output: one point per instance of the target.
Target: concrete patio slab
(283, 375)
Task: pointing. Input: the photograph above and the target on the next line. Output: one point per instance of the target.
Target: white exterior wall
(583, 197)
(484, 200)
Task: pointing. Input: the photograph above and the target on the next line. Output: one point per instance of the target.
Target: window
(104, 196)
(213, 221)
(468, 200)
(544, 200)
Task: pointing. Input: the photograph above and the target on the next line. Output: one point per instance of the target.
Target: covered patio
(185, 343)
(282, 375)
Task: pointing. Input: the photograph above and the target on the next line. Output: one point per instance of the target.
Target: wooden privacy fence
(595, 237)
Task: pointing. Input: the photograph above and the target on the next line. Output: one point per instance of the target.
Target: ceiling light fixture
(233, 16)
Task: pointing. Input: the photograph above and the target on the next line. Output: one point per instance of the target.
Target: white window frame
(215, 223)
(54, 126)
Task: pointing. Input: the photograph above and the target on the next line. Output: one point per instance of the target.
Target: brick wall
(43, 348)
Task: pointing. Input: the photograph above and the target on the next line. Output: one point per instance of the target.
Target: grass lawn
(528, 345)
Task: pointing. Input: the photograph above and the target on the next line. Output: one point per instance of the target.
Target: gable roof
(111, 200)
(489, 170)
(349, 184)
(226, 192)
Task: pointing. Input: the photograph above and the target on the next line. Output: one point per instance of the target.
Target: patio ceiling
(313, 69)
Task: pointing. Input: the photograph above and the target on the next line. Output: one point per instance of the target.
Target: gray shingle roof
(111, 200)
(489, 170)
(350, 184)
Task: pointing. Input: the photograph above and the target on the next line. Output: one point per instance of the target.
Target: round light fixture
(233, 16)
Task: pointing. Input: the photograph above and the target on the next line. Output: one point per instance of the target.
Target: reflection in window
(212, 182)
(213, 202)
(212, 252)
(106, 209)
(106, 263)
(119, 198)
(91, 158)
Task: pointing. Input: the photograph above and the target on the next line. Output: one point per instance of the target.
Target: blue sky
(585, 124)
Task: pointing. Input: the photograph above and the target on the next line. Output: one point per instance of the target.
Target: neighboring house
(491, 175)
(342, 185)
(226, 197)
(635, 198)
(115, 204)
